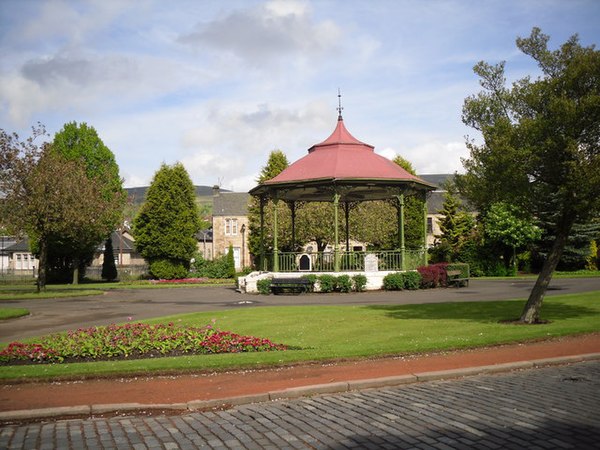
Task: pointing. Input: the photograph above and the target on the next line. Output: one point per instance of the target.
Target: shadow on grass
(483, 311)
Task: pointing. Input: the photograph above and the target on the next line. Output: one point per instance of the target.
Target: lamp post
(243, 230)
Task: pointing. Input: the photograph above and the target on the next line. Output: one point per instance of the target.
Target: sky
(218, 84)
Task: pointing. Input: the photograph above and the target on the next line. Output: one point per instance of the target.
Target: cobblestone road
(549, 408)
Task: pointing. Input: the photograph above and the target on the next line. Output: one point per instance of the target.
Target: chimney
(216, 190)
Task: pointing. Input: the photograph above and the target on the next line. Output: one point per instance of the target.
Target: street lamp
(243, 230)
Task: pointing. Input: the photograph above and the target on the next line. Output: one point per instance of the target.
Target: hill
(136, 195)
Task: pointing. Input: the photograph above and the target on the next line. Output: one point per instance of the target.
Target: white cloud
(266, 33)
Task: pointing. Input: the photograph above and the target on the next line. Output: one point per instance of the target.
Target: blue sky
(218, 84)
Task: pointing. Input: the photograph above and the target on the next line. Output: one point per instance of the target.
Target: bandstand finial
(339, 108)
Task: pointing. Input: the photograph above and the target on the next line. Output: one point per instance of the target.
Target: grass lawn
(22, 291)
(11, 313)
(347, 332)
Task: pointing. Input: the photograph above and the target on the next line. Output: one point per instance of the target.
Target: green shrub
(344, 283)
(218, 268)
(360, 282)
(313, 279)
(327, 283)
(393, 281)
(412, 280)
(166, 269)
(264, 286)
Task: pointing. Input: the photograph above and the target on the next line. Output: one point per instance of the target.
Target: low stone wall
(247, 284)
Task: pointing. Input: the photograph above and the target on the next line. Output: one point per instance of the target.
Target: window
(430, 225)
(231, 227)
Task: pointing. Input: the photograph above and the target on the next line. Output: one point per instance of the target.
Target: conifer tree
(166, 225)
(109, 268)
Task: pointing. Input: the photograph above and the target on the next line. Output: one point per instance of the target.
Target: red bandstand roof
(343, 164)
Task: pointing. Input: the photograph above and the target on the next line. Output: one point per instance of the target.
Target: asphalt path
(121, 305)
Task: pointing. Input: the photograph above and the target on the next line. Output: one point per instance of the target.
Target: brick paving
(547, 408)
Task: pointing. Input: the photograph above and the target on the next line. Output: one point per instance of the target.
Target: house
(124, 251)
(5, 242)
(435, 202)
(19, 257)
(230, 225)
(205, 244)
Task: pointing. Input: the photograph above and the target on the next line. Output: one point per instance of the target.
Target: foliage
(109, 268)
(327, 283)
(412, 280)
(313, 279)
(230, 262)
(166, 225)
(81, 143)
(359, 282)
(508, 226)
(393, 281)
(433, 275)
(457, 227)
(541, 148)
(135, 340)
(344, 283)
(592, 259)
(219, 267)
(276, 163)
(264, 286)
(168, 269)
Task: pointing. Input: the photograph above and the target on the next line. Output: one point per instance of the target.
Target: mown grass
(12, 313)
(28, 290)
(349, 332)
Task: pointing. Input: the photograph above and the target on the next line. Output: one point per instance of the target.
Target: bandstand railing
(348, 261)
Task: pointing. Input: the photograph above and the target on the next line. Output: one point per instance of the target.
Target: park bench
(290, 285)
(454, 277)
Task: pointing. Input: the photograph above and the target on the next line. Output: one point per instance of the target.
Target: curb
(287, 394)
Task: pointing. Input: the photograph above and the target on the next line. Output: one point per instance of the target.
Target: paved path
(549, 408)
(117, 306)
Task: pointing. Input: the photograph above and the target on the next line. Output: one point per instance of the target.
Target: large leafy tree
(508, 226)
(541, 144)
(80, 142)
(48, 197)
(166, 225)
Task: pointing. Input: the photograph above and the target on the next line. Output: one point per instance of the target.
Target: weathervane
(339, 108)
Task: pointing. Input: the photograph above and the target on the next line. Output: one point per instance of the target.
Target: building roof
(230, 204)
(341, 160)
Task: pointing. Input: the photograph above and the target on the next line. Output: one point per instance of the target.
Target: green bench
(290, 285)
(454, 277)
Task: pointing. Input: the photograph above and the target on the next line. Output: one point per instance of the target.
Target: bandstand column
(336, 248)
(275, 233)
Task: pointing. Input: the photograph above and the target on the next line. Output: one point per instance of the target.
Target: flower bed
(130, 341)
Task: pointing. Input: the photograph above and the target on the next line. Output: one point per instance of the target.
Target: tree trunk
(531, 312)
(43, 262)
(75, 270)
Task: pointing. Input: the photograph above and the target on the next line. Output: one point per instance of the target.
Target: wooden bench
(454, 278)
(290, 285)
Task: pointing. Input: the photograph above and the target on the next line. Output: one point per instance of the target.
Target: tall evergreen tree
(109, 268)
(276, 164)
(166, 225)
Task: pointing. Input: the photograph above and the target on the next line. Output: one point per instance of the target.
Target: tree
(46, 196)
(60, 202)
(166, 225)
(456, 226)
(541, 144)
(80, 142)
(505, 224)
(276, 164)
(109, 268)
